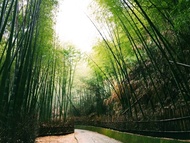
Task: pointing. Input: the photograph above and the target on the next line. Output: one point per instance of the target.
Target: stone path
(84, 136)
(57, 139)
(80, 136)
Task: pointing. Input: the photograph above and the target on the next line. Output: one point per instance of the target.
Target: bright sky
(73, 26)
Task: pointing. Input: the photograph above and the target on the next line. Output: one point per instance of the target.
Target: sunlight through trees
(135, 78)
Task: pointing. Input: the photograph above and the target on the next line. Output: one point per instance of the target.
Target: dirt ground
(57, 139)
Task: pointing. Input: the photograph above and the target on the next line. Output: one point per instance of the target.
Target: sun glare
(73, 26)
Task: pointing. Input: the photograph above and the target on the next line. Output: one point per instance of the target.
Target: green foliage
(140, 67)
(143, 55)
(29, 75)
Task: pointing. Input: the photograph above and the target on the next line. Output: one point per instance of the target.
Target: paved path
(57, 139)
(80, 136)
(84, 136)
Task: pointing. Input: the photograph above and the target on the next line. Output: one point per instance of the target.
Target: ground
(57, 139)
(80, 136)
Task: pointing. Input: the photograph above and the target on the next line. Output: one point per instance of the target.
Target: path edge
(129, 137)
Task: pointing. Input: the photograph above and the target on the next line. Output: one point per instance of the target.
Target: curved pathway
(84, 136)
(80, 136)
(57, 139)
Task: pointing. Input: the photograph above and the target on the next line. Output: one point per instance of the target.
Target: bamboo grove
(35, 71)
(141, 64)
(139, 68)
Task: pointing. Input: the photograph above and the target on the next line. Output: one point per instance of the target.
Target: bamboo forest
(135, 79)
